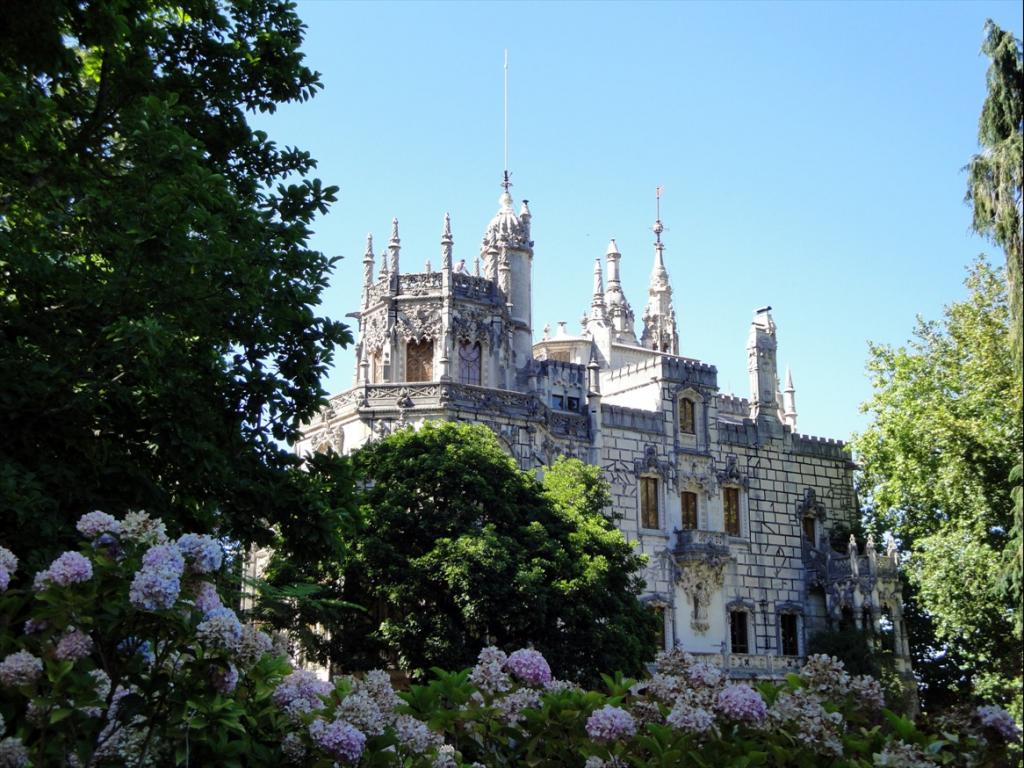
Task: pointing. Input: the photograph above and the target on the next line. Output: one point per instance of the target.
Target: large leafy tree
(457, 549)
(945, 431)
(158, 339)
(995, 181)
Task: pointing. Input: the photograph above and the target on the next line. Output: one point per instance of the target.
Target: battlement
(825, 447)
(632, 418)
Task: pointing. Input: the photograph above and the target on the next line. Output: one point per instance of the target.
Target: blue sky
(810, 154)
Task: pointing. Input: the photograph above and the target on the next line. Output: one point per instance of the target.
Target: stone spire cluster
(620, 314)
(659, 317)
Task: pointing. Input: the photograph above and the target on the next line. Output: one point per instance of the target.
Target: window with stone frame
(739, 641)
(649, 513)
(469, 362)
(688, 502)
(419, 361)
(377, 367)
(789, 634)
(810, 530)
(687, 417)
(731, 507)
(660, 635)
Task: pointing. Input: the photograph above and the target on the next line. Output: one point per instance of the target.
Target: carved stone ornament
(699, 477)
(700, 579)
(731, 473)
(420, 322)
(374, 332)
(472, 325)
(651, 463)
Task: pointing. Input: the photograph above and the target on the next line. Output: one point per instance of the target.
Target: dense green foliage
(945, 432)
(456, 548)
(157, 331)
(996, 178)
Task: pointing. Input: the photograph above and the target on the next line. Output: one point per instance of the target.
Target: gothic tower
(659, 317)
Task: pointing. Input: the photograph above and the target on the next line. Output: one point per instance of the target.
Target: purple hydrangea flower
(5, 579)
(741, 702)
(338, 739)
(207, 598)
(529, 666)
(300, 692)
(70, 568)
(220, 629)
(13, 753)
(157, 584)
(610, 723)
(999, 720)
(21, 668)
(690, 719)
(93, 524)
(73, 646)
(8, 561)
(225, 680)
(204, 553)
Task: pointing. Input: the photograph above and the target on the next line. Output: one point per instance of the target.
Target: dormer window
(687, 418)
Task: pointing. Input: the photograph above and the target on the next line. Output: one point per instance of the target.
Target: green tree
(995, 180)
(457, 548)
(945, 431)
(158, 339)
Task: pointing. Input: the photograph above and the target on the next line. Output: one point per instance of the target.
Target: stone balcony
(748, 665)
(696, 544)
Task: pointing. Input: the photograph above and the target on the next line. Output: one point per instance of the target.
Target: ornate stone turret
(598, 311)
(368, 261)
(619, 312)
(510, 233)
(789, 401)
(659, 317)
(394, 247)
(761, 364)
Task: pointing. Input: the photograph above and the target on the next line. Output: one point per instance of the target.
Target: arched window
(469, 362)
(419, 361)
(789, 634)
(649, 513)
(376, 367)
(687, 418)
(688, 502)
(739, 640)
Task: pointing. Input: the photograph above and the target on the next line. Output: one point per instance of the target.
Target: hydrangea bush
(125, 653)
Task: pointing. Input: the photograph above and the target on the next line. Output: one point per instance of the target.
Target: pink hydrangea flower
(529, 666)
(70, 568)
(610, 724)
(742, 703)
(21, 668)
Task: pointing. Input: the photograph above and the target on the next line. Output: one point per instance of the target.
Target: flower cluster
(74, 645)
(801, 713)
(610, 724)
(220, 629)
(741, 703)
(225, 679)
(20, 668)
(95, 524)
(206, 597)
(1000, 721)
(414, 736)
(13, 753)
(689, 718)
(825, 675)
(529, 666)
(70, 568)
(489, 673)
(140, 528)
(204, 553)
(157, 584)
(339, 739)
(8, 565)
(301, 692)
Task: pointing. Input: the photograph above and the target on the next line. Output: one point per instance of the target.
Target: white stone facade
(732, 506)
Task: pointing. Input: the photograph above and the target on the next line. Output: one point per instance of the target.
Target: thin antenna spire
(505, 182)
(658, 227)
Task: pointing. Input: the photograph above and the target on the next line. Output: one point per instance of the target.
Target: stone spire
(761, 365)
(659, 317)
(446, 244)
(789, 401)
(368, 260)
(598, 310)
(619, 311)
(384, 271)
(394, 246)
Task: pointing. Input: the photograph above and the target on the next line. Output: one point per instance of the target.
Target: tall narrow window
(377, 367)
(731, 500)
(659, 632)
(649, 502)
(419, 361)
(738, 632)
(788, 629)
(687, 422)
(809, 531)
(469, 363)
(689, 504)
